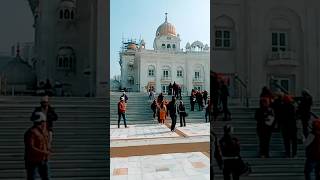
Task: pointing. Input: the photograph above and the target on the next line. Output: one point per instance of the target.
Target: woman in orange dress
(162, 113)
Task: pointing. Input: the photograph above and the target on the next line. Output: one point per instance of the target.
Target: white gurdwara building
(167, 63)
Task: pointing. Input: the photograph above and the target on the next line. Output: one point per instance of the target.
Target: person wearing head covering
(230, 150)
(265, 118)
(37, 151)
(162, 112)
(172, 108)
(288, 126)
(304, 108)
(124, 96)
(312, 145)
(122, 111)
(224, 100)
(182, 113)
(51, 115)
(154, 108)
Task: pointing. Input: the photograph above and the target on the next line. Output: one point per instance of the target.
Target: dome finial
(166, 16)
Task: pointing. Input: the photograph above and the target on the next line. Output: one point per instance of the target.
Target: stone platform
(176, 166)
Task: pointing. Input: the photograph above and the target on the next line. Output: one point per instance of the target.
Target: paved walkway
(140, 132)
(177, 166)
(153, 152)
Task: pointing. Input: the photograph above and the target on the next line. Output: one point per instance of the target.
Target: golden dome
(132, 46)
(166, 29)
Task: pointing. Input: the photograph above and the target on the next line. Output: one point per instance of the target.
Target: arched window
(168, 46)
(61, 14)
(163, 46)
(66, 14)
(66, 59)
(166, 73)
(224, 29)
(151, 71)
(173, 46)
(180, 72)
(60, 63)
(72, 14)
(65, 62)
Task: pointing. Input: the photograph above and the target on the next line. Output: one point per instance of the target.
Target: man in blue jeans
(313, 151)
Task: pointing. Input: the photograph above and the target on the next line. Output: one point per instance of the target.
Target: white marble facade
(262, 39)
(167, 62)
(71, 44)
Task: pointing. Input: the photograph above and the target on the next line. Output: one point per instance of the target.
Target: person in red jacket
(37, 151)
(313, 151)
(122, 111)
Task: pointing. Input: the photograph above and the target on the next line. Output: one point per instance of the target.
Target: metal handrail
(286, 92)
(245, 86)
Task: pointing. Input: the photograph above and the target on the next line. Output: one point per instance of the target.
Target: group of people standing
(162, 108)
(279, 110)
(38, 141)
(175, 90)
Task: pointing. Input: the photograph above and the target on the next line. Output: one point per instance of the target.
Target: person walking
(192, 100)
(125, 97)
(122, 111)
(182, 113)
(199, 100)
(37, 151)
(207, 108)
(162, 113)
(172, 107)
(216, 90)
(205, 96)
(154, 108)
(312, 144)
(50, 114)
(265, 119)
(224, 100)
(288, 126)
(170, 87)
(230, 150)
(304, 109)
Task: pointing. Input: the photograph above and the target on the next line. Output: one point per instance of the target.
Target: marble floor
(195, 129)
(141, 132)
(177, 166)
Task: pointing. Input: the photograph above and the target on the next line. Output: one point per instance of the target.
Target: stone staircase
(139, 110)
(276, 167)
(80, 137)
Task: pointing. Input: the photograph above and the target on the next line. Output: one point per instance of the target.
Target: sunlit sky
(16, 24)
(141, 18)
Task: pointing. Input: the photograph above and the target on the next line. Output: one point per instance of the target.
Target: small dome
(67, 4)
(19, 72)
(132, 46)
(166, 29)
(188, 46)
(198, 44)
(206, 47)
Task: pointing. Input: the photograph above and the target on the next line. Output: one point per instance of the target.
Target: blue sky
(141, 18)
(16, 24)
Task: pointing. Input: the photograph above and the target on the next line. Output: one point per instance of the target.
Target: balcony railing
(197, 79)
(288, 58)
(165, 78)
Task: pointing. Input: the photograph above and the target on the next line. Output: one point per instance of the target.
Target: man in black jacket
(172, 107)
(49, 112)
